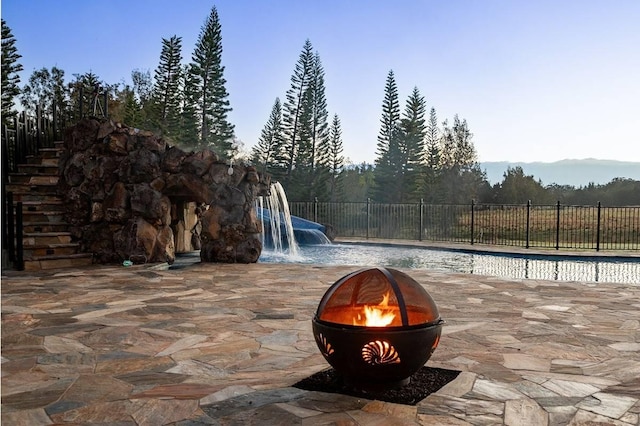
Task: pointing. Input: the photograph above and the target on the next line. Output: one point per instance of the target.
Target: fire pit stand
(376, 327)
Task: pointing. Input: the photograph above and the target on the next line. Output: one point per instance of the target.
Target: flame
(379, 315)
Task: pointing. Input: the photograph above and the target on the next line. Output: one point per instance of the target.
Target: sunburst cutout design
(327, 349)
(379, 352)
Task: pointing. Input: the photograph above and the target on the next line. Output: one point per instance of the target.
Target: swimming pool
(515, 266)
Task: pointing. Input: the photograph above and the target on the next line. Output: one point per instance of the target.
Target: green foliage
(412, 146)
(207, 85)
(83, 92)
(188, 132)
(10, 69)
(306, 130)
(335, 161)
(296, 108)
(268, 154)
(129, 110)
(43, 89)
(431, 171)
(387, 146)
(400, 148)
(358, 181)
(166, 96)
(518, 188)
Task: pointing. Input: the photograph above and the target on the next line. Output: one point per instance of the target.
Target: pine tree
(412, 146)
(335, 161)
(268, 153)
(166, 89)
(319, 140)
(85, 92)
(296, 110)
(432, 138)
(10, 70)
(432, 169)
(211, 95)
(388, 138)
(188, 134)
(129, 111)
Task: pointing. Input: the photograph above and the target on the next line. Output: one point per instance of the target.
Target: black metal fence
(522, 225)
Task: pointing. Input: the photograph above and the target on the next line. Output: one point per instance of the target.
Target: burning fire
(379, 315)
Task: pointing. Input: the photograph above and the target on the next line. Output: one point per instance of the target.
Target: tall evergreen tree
(318, 143)
(296, 108)
(188, 135)
(129, 110)
(208, 79)
(10, 69)
(268, 153)
(86, 91)
(335, 161)
(166, 89)
(413, 131)
(388, 138)
(432, 158)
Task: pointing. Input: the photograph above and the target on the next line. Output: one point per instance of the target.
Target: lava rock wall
(126, 193)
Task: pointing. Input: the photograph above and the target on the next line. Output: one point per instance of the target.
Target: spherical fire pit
(376, 327)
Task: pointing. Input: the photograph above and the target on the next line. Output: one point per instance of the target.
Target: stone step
(36, 227)
(31, 252)
(43, 189)
(47, 153)
(57, 262)
(30, 239)
(42, 205)
(37, 160)
(33, 178)
(50, 216)
(43, 169)
(34, 197)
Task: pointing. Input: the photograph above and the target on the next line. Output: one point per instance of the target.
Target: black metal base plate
(423, 383)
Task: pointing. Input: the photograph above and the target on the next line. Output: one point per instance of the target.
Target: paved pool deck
(223, 344)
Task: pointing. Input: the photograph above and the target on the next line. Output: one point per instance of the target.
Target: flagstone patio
(223, 344)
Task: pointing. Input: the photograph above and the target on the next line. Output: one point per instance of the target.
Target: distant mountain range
(567, 172)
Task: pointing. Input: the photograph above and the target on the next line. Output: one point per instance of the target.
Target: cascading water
(279, 219)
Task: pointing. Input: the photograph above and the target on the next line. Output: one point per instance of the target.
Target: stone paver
(223, 344)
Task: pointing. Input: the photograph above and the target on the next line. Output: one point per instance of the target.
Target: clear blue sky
(536, 80)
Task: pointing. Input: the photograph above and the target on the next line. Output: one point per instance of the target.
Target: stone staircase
(46, 237)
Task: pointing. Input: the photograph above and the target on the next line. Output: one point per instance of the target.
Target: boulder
(130, 196)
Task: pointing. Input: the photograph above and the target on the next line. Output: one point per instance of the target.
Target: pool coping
(531, 253)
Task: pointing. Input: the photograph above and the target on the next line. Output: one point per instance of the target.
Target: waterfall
(279, 219)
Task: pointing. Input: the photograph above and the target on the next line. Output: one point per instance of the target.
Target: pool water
(588, 269)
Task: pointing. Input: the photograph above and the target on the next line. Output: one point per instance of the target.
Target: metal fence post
(598, 228)
(11, 236)
(315, 209)
(19, 236)
(54, 124)
(421, 213)
(558, 226)
(38, 129)
(528, 223)
(106, 104)
(473, 203)
(80, 98)
(368, 215)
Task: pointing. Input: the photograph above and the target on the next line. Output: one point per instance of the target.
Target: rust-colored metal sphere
(377, 326)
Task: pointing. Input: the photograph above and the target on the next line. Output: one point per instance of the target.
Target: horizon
(539, 82)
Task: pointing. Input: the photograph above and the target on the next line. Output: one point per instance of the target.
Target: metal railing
(554, 226)
(25, 136)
